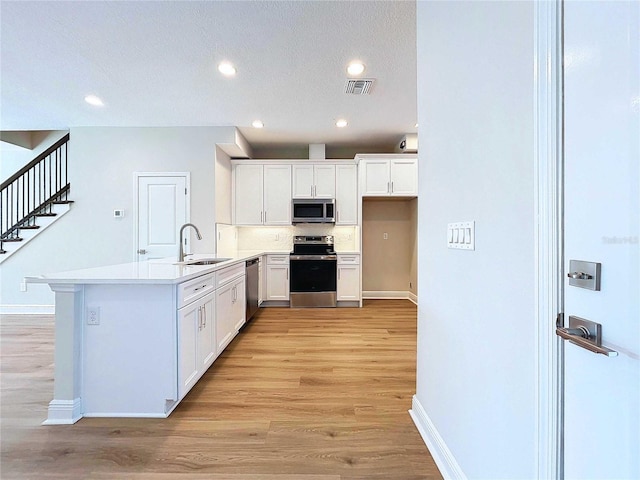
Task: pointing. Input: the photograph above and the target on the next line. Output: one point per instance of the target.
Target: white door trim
(136, 213)
(548, 233)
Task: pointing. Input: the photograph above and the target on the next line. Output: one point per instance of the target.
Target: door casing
(548, 233)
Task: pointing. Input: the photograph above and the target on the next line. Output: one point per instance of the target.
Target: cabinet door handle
(388, 188)
(204, 311)
(311, 187)
(265, 216)
(339, 274)
(391, 187)
(199, 318)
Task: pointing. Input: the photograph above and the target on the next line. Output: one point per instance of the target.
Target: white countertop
(159, 271)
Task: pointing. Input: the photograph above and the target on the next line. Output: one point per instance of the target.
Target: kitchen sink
(205, 261)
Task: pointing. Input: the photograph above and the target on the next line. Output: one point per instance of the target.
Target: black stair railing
(32, 191)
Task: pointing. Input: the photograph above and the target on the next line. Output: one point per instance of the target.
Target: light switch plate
(461, 235)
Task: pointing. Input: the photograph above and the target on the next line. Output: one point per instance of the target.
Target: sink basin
(206, 261)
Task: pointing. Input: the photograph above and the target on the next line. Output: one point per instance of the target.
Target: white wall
(476, 371)
(101, 166)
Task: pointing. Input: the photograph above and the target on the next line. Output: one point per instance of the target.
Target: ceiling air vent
(359, 87)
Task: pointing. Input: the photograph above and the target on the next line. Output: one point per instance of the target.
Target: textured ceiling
(154, 64)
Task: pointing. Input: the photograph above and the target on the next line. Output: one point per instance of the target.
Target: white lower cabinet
(277, 283)
(196, 341)
(230, 311)
(207, 324)
(348, 277)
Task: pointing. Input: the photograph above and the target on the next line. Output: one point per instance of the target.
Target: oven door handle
(313, 257)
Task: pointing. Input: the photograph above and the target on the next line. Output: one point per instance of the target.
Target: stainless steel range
(313, 265)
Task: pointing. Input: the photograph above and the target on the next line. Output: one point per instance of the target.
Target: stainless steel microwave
(313, 210)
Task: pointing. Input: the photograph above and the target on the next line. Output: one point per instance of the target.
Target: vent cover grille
(359, 87)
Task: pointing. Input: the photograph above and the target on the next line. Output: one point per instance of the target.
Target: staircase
(34, 198)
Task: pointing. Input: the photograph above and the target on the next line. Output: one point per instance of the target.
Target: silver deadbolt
(584, 274)
(580, 275)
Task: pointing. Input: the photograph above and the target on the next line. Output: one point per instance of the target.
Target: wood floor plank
(300, 394)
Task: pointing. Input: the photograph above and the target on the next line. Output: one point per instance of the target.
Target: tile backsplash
(281, 238)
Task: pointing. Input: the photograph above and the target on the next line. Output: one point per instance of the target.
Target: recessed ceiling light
(341, 123)
(257, 124)
(227, 69)
(94, 100)
(355, 68)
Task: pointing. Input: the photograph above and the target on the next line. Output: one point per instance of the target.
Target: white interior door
(602, 216)
(162, 210)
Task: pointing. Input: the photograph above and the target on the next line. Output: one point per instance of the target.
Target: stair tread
(14, 239)
(29, 227)
(46, 214)
(62, 202)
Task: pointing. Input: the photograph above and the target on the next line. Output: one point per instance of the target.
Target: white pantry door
(162, 210)
(601, 224)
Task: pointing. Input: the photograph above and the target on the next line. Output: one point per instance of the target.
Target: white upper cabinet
(261, 194)
(248, 194)
(277, 195)
(314, 181)
(389, 177)
(346, 195)
(404, 177)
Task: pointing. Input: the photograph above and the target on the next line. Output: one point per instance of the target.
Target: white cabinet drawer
(278, 259)
(348, 259)
(227, 274)
(194, 289)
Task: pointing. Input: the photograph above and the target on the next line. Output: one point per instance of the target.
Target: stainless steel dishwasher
(252, 287)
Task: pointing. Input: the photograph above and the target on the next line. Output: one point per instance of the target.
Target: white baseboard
(390, 294)
(64, 412)
(441, 454)
(27, 309)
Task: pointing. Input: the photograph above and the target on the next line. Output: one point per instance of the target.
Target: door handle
(585, 334)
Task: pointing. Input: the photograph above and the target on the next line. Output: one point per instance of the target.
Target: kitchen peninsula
(132, 339)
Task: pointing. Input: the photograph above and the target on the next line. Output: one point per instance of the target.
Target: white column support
(548, 234)
(66, 406)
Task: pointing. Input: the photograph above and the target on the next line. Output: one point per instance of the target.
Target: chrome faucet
(182, 254)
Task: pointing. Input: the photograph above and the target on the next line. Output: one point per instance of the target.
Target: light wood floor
(310, 394)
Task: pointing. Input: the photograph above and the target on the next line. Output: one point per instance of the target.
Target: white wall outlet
(93, 315)
(461, 235)
(385, 236)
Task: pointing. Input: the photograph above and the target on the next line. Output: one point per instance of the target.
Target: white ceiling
(154, 64)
